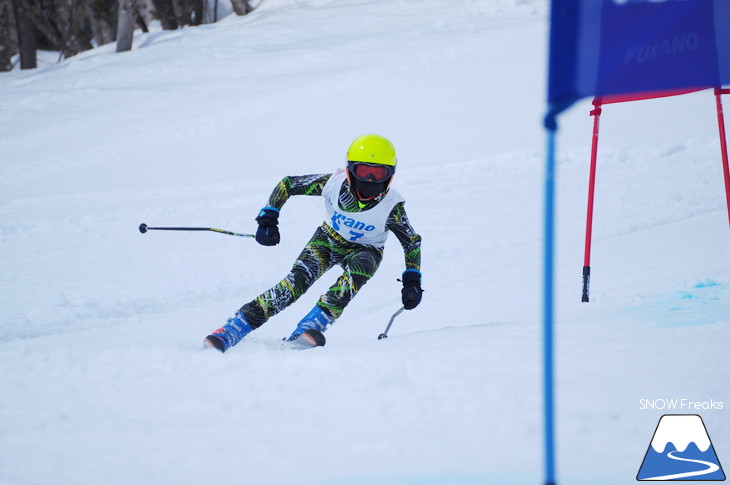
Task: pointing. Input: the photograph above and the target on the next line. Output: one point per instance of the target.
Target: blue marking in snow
(707, 284)
(698, 304)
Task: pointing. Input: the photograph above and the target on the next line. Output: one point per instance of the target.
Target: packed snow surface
(103, 377)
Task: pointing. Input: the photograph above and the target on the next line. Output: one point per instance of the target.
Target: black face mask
(369, 190)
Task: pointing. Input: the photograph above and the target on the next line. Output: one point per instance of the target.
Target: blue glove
(267, 233)
(411, 293)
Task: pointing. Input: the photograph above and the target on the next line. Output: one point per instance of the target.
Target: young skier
(361, 209)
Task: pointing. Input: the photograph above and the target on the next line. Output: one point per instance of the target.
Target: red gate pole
(596, 113)
(723, 144)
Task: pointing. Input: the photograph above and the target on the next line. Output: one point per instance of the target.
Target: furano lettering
(338, 218)
(666, 48)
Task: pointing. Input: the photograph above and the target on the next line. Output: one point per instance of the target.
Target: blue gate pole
(548, 273)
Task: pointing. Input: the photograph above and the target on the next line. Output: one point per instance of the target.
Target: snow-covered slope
(103, 379)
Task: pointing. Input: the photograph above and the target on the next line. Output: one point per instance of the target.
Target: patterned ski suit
(328, 248)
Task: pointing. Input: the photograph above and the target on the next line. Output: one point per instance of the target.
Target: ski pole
(144, 228)
(385, 334)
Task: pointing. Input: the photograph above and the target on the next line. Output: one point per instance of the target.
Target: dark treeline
(73, 26)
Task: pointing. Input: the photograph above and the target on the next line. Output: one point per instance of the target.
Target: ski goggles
(370, 172)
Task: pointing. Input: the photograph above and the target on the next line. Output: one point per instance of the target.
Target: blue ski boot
(229, 334)
(317, 319)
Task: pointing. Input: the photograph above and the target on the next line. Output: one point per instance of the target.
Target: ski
(308, 340)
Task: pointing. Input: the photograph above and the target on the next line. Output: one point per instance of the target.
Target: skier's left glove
(267, 233)
(411, 292)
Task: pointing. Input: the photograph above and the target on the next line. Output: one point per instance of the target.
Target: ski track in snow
(103, 377)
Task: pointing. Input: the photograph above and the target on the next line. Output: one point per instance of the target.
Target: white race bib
(365, 227)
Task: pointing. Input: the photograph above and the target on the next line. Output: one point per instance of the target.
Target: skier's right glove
(411, 293)
(267, 233)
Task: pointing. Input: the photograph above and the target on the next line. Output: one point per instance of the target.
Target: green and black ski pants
(325, 250)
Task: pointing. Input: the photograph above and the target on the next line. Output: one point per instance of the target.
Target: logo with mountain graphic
(681, 450)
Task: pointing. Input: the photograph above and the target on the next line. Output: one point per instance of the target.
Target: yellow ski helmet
(370, 167)
(372, 149)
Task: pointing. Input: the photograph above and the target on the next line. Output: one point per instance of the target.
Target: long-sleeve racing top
(397, 221)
